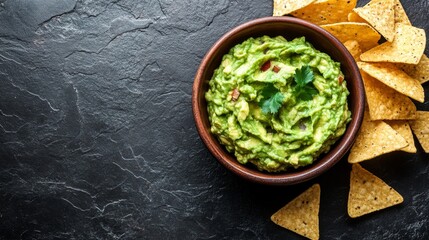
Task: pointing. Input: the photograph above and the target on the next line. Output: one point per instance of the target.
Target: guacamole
(301, 127)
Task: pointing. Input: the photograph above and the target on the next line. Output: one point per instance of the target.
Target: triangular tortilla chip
(400, 14)
(395, 78)
(375, 138)
(361, 32)
(283, 7)
(385, 103)
(368, 193)
(407, 47)
(403, 128)
(419, 71)
(420, 127)
(301, 215)
(354, 48)
(381, 15)
(326, 12)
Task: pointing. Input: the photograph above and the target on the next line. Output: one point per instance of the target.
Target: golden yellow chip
(301, 215)
(354, 49)
(375, 138)
(407, 47)
(385, 103)
(381, 15)
(283, 7)
(354, 17)
(395, 78)
(363, 33)
(403, 128)
(325, 12)
(418, 71)
(420, 127)
(400, 14)
(368, 193)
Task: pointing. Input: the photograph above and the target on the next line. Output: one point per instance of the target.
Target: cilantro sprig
(303, 77)
(272, 98)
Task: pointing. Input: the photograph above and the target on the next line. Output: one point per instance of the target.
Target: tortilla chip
(385, 103)
(354, 49)
(407, 47)
(403, 128)
(368, 193)
(283, 7)
(400, 14)
(363, 33)
(301, 215)
(419, 71)
(354, 17)
(395, 78)
(326, 12)
(381, 15)
(420, 127)
(375, 138)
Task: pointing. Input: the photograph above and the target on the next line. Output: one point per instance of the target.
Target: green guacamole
(301, 129)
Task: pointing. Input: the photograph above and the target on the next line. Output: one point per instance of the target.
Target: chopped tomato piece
(235, 94)
(340, 78)
(276, 69)
(266, 66)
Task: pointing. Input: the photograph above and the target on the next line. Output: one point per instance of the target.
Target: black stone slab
(97, 138)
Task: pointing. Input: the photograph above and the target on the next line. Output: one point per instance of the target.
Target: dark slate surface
(97, 138)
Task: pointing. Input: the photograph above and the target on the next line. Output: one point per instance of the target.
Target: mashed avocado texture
(301, 128)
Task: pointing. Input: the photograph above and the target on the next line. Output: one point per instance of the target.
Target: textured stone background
(97, 138)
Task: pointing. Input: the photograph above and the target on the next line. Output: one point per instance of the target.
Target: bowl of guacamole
(278, 100)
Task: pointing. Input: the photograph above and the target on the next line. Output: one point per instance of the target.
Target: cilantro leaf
(273, 104)
(268, 91)
(306, 93)
(303, 77)
(272, 99)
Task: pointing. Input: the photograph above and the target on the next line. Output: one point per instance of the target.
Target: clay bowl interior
(289, 28)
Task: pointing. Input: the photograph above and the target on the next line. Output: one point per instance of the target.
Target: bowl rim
(285, 178)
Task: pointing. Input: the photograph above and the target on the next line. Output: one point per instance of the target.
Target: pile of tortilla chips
(393, 73)
(389, 52)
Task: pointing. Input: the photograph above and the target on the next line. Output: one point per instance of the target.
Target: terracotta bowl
(289, 28)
